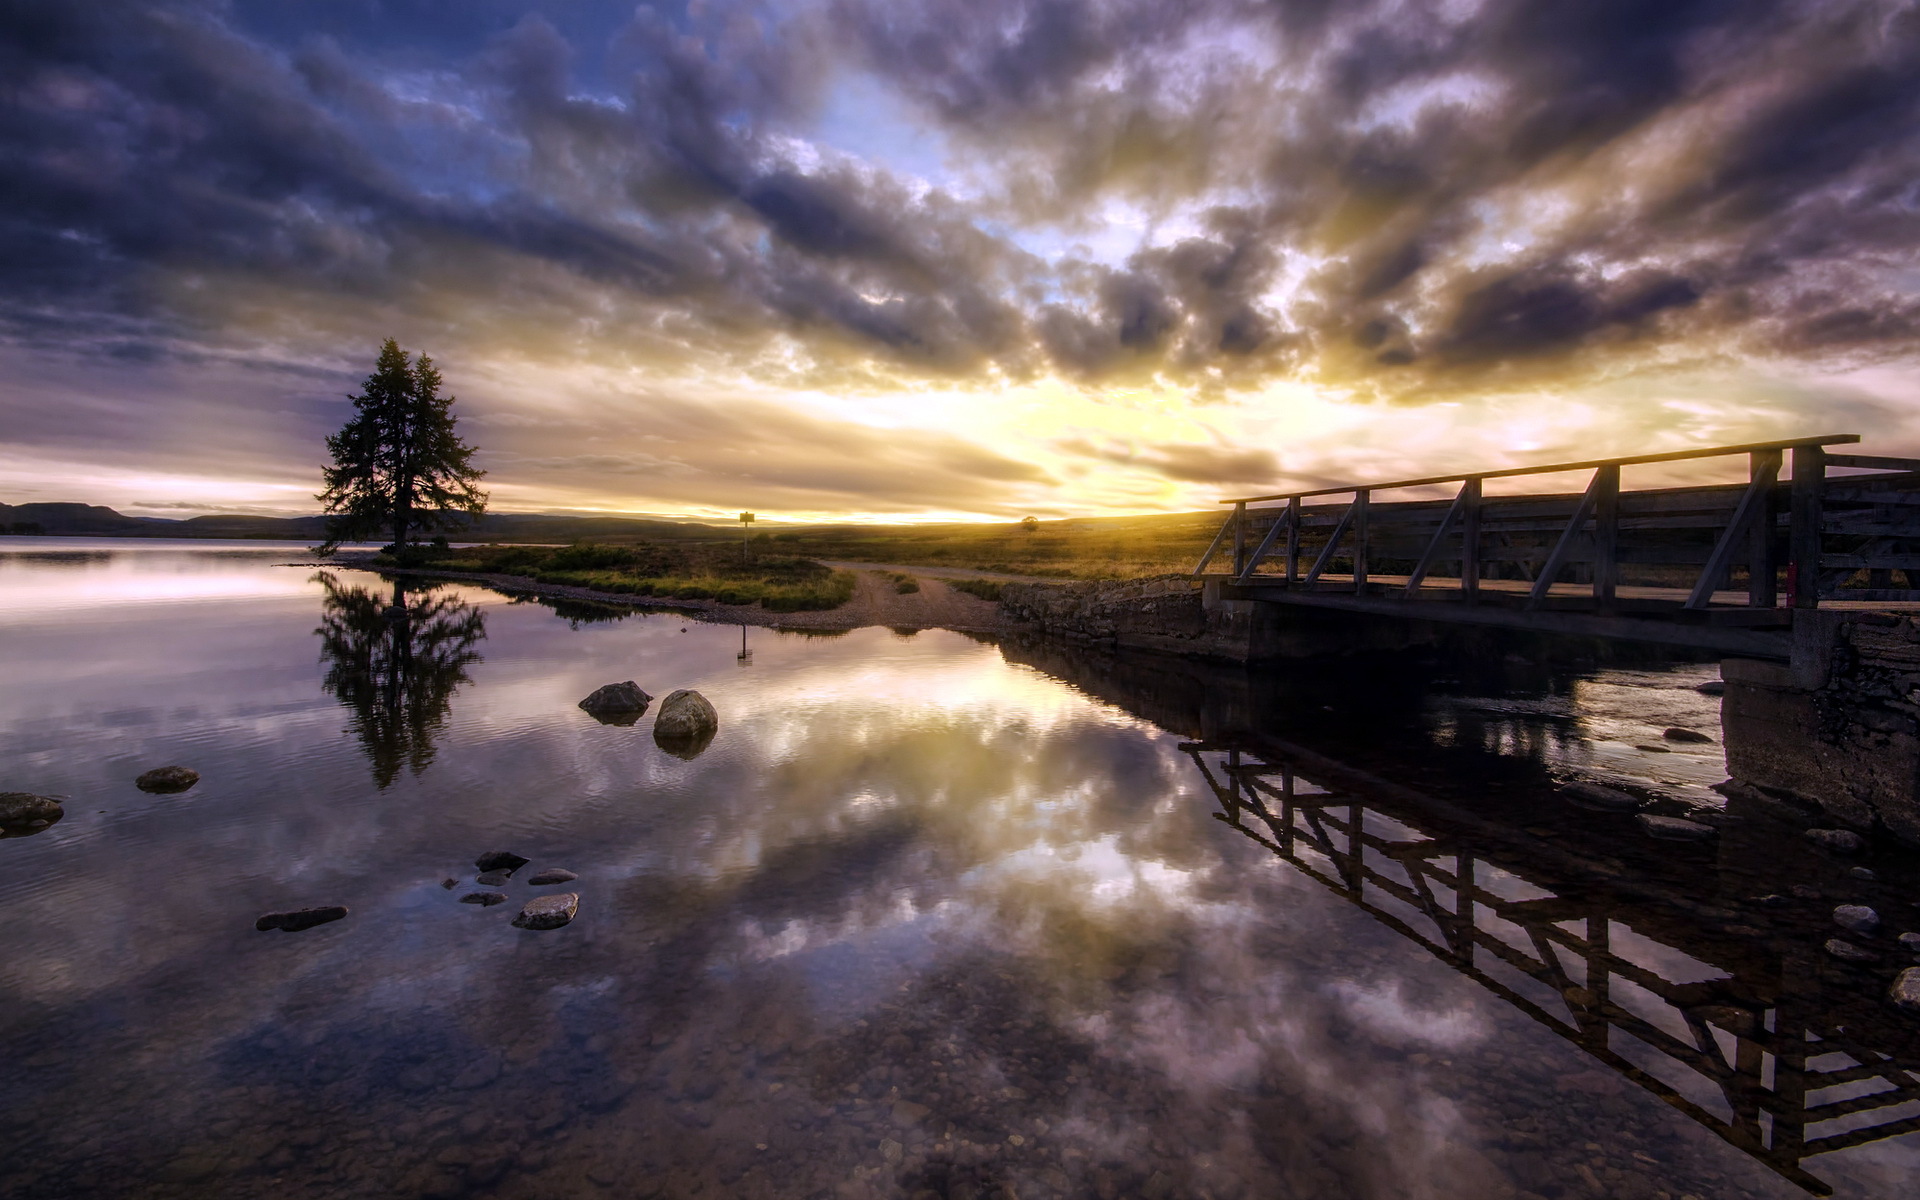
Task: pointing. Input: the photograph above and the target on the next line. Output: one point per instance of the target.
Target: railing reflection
(396, 665)
(1745, 1051)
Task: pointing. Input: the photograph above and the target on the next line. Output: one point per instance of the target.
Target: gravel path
(874, 602)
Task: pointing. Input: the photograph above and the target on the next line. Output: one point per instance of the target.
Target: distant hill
(93, 520)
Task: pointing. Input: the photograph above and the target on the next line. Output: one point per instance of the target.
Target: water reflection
(396, 665)
(1693, 972)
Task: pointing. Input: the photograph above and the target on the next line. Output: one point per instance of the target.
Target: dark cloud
(1399, 200)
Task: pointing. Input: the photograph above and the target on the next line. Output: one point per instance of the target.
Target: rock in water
(1856, 917)
(1910, 942)
(1592, 795)
(1840, 841)
(1712, 687)
(1674, 829)
(487, 898)
(553, 875)
(1846, 951)
(25, 808)
(1905, 992)
(1677, 734)
(617, 700)
(548, 912)
(685, 715)
(500, 860)
(493, 878)
(305, 918)
(167, 779)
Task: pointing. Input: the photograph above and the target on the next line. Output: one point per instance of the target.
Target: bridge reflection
(1675, 965)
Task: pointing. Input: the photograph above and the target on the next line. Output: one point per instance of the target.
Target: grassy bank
(1090, 548)
(673, 571)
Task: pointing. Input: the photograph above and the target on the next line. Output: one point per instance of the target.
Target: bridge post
(1606, 535)
(1293, 539)
(1470, 542)
(1360, 541)
(1763, 558)
(1803, 531)
(1239, 539)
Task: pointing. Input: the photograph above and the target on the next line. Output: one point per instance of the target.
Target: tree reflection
(397, 666)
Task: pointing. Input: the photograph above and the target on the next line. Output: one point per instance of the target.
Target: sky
(933, 259)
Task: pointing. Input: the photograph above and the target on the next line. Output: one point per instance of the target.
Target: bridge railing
(1792, 527)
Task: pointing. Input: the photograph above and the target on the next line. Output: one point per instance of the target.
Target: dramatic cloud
(1253, 214)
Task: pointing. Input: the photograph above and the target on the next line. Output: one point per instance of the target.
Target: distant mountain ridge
(94, 520)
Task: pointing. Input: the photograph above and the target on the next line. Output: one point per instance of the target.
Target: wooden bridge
(1722, 567)
(1778, 1052)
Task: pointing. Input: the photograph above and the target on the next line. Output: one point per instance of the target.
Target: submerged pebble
(487, 898)
(1840, 841)
(553, 875)
(299, 919)
(493, 878)
(1594, 795)
(1690, 736)
(1674, 829)
(548, 912)
(1857, 918)
(1846, 951)
(167, 779)
(1905, 991)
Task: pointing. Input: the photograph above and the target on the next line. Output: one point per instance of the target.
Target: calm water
(927, 918)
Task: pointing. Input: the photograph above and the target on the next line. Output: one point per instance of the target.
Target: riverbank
(876, 600)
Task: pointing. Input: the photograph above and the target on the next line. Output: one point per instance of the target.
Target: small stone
(24, 808)
(1712, 687)
(1674, 829)
(1804, 891)
(1865, 873)
(1905, 990)
(167, 779)
(500, 860)
(906, 1112)
(553, 875)
(487, 898)
(1840, 841)
(548, 912)
(1691, 736)
(1910, 941)
(1856, 918)
(1772, 900)
(1650, 748)
(493, 879)
(449, 883)
(891, 1150)
(1846, 951)
(305, 918)
(1593, 795)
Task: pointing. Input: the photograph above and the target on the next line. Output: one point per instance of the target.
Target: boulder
(500, 860)
(548, 912)
(1674, 829)
(305, 918)
(1677, 734)
(167, 779)
(1593, 795)
(685, 714)
(553, 875)
(1840, 841)
(617, 700)
(1905, 990)
(1857, 918)
(25, 808)
(487, 898)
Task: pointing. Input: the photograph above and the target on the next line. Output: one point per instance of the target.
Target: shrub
(986, 589)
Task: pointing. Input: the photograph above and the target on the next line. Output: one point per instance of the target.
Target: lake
(930, 916)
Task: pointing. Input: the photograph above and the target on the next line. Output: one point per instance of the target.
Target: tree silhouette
(398, 463)
(397, 671)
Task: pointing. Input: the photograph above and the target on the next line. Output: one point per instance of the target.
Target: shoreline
(874, 603)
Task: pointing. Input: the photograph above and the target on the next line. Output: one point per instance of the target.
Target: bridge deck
(1720, 567)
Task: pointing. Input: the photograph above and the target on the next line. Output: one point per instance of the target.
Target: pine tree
(398, 463)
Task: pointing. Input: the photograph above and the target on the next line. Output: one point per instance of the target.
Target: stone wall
(1840, 726)
(1172, 614)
